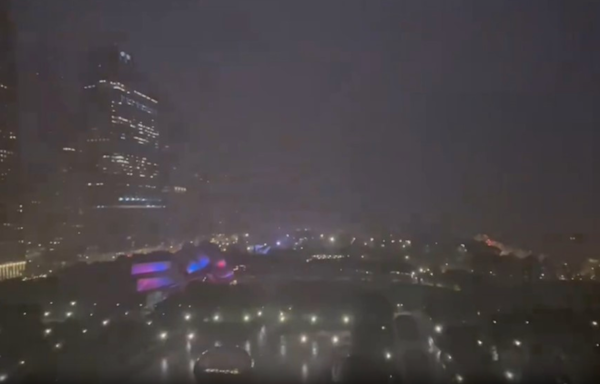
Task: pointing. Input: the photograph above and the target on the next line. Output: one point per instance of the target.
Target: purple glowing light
(153, 283)
(159, 266)
(221, 264)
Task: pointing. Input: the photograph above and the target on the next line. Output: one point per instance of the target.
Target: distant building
(11, 209)
(48, 113)
(121, 153)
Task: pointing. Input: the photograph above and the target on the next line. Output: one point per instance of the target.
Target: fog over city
(305, 190)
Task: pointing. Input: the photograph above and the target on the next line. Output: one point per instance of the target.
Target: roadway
(290, 357)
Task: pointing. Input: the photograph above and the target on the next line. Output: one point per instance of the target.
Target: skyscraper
(121, 153)
(11, 243)
(48, 119)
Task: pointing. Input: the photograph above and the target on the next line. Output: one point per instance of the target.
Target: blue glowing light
(198, 264)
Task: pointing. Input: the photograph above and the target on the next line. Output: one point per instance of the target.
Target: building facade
(120, 154)
(11, 209)
(49, 119)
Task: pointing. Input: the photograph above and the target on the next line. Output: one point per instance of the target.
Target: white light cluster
(225, 371)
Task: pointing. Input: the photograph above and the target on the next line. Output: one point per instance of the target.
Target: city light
(388, 355)
(246, 318)
(459, 378)
(346, 319)
(3, 377)
(438, 329)
(332, 239)
(281, 318)
(105, 323)
(313, 319)
(303, 339)
(216, 317)
(163, 335)
(259, 313)
(594, 323)
(47, 331)
(191, 336)
(517, 343)
(46, 314)
(509, 375)
(187, 317)
(69, 314)
(73, 303)
(335, 339)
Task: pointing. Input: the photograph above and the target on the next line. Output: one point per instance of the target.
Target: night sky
(481, 112)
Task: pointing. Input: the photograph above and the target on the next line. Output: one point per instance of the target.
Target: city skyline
(363, 116)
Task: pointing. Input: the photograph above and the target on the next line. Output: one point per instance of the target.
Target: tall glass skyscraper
(121, 152)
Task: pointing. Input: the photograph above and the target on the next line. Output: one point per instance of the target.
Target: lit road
(299, 357)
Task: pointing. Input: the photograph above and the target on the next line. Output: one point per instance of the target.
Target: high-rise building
(49, 120)
(121, 154)
(11, 228)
